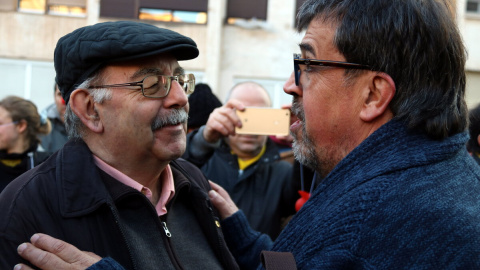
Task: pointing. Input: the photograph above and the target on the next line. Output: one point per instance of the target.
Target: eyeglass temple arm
(118, 85)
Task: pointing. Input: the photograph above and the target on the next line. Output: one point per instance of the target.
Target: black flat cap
(84, 51)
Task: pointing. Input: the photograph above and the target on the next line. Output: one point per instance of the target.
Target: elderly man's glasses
(297, 61)
(157, 86)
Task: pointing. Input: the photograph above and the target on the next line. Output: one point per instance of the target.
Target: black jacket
(265, 191)
(58, 136)
(69, 198)
(29, 159)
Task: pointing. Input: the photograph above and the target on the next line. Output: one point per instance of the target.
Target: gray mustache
(176, 116)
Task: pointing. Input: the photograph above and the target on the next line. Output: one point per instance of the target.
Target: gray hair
(74, 126)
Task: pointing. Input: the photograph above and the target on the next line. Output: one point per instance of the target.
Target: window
(246, 9)
(34, 6)
(8, 5)
(54, 7)
(473, 6)
(165, 10)
(172, 15)
(28, 79)
(67, 7)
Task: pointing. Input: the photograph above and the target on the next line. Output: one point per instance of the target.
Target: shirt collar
(166, 180)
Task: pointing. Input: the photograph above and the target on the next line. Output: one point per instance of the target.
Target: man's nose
(290, 87)
(176, 97)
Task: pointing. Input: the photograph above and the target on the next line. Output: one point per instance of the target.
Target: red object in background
(304, 196)
(63, 101)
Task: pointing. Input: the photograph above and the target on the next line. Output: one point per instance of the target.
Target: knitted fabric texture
(397, 201)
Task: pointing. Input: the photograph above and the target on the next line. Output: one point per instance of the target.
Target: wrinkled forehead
(320, 36)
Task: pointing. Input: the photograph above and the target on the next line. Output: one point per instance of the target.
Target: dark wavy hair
(416, 42)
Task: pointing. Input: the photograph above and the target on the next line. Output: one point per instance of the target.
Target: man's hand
(222, 121)
(222, 201)
(48, 253)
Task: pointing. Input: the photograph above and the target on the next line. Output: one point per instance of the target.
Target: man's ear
(82, 104)
(478, 139)
(378, 96)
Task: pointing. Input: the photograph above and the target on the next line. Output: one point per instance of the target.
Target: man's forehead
(136, 69)
(174, 69)
(319, 37)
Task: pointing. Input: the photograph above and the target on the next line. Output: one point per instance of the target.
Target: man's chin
(305, 155)
(251, 151)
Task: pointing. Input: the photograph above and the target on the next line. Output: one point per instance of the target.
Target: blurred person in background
(20, 125)
(247, 166)
(55, 113)
(202, 103)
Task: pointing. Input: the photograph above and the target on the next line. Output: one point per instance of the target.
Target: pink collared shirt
(166, 179)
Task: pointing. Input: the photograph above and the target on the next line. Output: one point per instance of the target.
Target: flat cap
(84, 51)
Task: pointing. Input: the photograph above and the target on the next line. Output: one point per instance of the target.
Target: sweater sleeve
(244, 243)
(198, 149)
(106, 264)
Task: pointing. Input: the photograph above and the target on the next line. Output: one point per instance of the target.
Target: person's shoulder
(273, 154)
(192, 172)
(41, 155)
(32, 188)
(276, 162)
(40, 175)
(185, 165)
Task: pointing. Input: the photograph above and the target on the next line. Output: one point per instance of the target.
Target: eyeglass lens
(296, 68)
(159, 85)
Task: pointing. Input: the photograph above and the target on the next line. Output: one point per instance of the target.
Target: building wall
(240, 53)
(473, 88)
(471, 37)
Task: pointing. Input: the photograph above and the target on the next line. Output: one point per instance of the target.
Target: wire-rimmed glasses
(157, 86)
(8, 124)
(315, 62)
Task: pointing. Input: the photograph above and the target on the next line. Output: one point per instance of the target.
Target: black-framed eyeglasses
(297, 61)
(157, 86)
